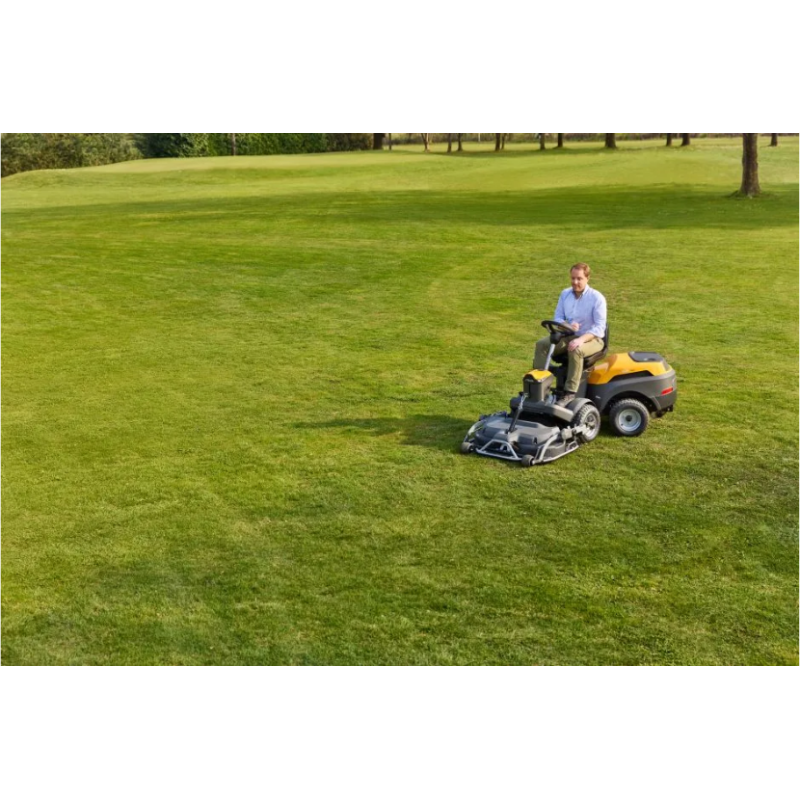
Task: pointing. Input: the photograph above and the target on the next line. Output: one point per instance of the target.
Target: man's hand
(575, 343)
(574, 325)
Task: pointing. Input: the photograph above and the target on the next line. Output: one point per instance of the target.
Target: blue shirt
(588, 310)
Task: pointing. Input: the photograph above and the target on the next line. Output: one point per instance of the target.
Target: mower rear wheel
(628, 417)
(589, 416)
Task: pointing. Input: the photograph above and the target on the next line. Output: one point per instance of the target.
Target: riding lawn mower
(628, 388)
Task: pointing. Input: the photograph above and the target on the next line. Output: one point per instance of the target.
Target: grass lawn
(234, 391)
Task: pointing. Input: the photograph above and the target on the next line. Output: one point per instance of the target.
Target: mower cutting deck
(628, 387)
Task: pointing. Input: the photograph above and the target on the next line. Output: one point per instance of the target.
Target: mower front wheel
(467, 447)
(589, 417)
(628, 417)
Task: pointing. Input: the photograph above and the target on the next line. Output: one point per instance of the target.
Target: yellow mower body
(618, 364)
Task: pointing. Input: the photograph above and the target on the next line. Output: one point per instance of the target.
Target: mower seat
(589, 361)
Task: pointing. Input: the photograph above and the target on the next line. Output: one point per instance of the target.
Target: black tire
(467, 447)
(628, 417)
(589, 416)
(527, 461)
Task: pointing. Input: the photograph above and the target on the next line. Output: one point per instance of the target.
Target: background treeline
(28, 151)
(177, 145)
(441, 138)
(22, 152)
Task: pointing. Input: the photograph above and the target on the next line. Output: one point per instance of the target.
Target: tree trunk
(425, 140)
(460, 148)
(496, 142)
(773, 142)
(377, 141)
(233, 144)
(390, 140)
(541, 141)
(669, 140)
(503, 141)
(611, 141)
(449, 142)
(560, 140)
(750, 187)
(685, 140)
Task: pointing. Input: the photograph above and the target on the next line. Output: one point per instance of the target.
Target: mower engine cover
(643, 375)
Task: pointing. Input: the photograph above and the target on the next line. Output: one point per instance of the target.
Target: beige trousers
(574, 359)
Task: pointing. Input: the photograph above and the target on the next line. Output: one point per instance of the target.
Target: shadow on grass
(596, 208)
(435, 431)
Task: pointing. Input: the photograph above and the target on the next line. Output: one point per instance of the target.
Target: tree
(560, 140)
(377, 141)
(750, 187)
(496, 142)
(27, 151)
(426, 140)
(685, 140)
(19, 152)
(611, 141)
(541, 141)
(669, 140)
(773, 142)
(163, 145)
(449, 142)
(108, 148)
(460, 147)
(340, 141)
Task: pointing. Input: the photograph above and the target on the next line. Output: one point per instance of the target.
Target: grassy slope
(235, 388)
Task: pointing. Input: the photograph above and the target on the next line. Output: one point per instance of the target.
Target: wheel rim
(593, 424)
(629, 420)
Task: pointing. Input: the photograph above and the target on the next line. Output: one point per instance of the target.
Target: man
(584, 310)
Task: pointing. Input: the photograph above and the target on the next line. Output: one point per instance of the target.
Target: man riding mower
(627, 387)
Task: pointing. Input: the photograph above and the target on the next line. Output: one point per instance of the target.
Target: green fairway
(235, 389)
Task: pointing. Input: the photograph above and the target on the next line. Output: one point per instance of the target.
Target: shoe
(565, 399)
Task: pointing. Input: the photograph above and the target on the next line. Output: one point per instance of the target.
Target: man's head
(579, 277)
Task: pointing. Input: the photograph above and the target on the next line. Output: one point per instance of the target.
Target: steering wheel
(558, 327)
